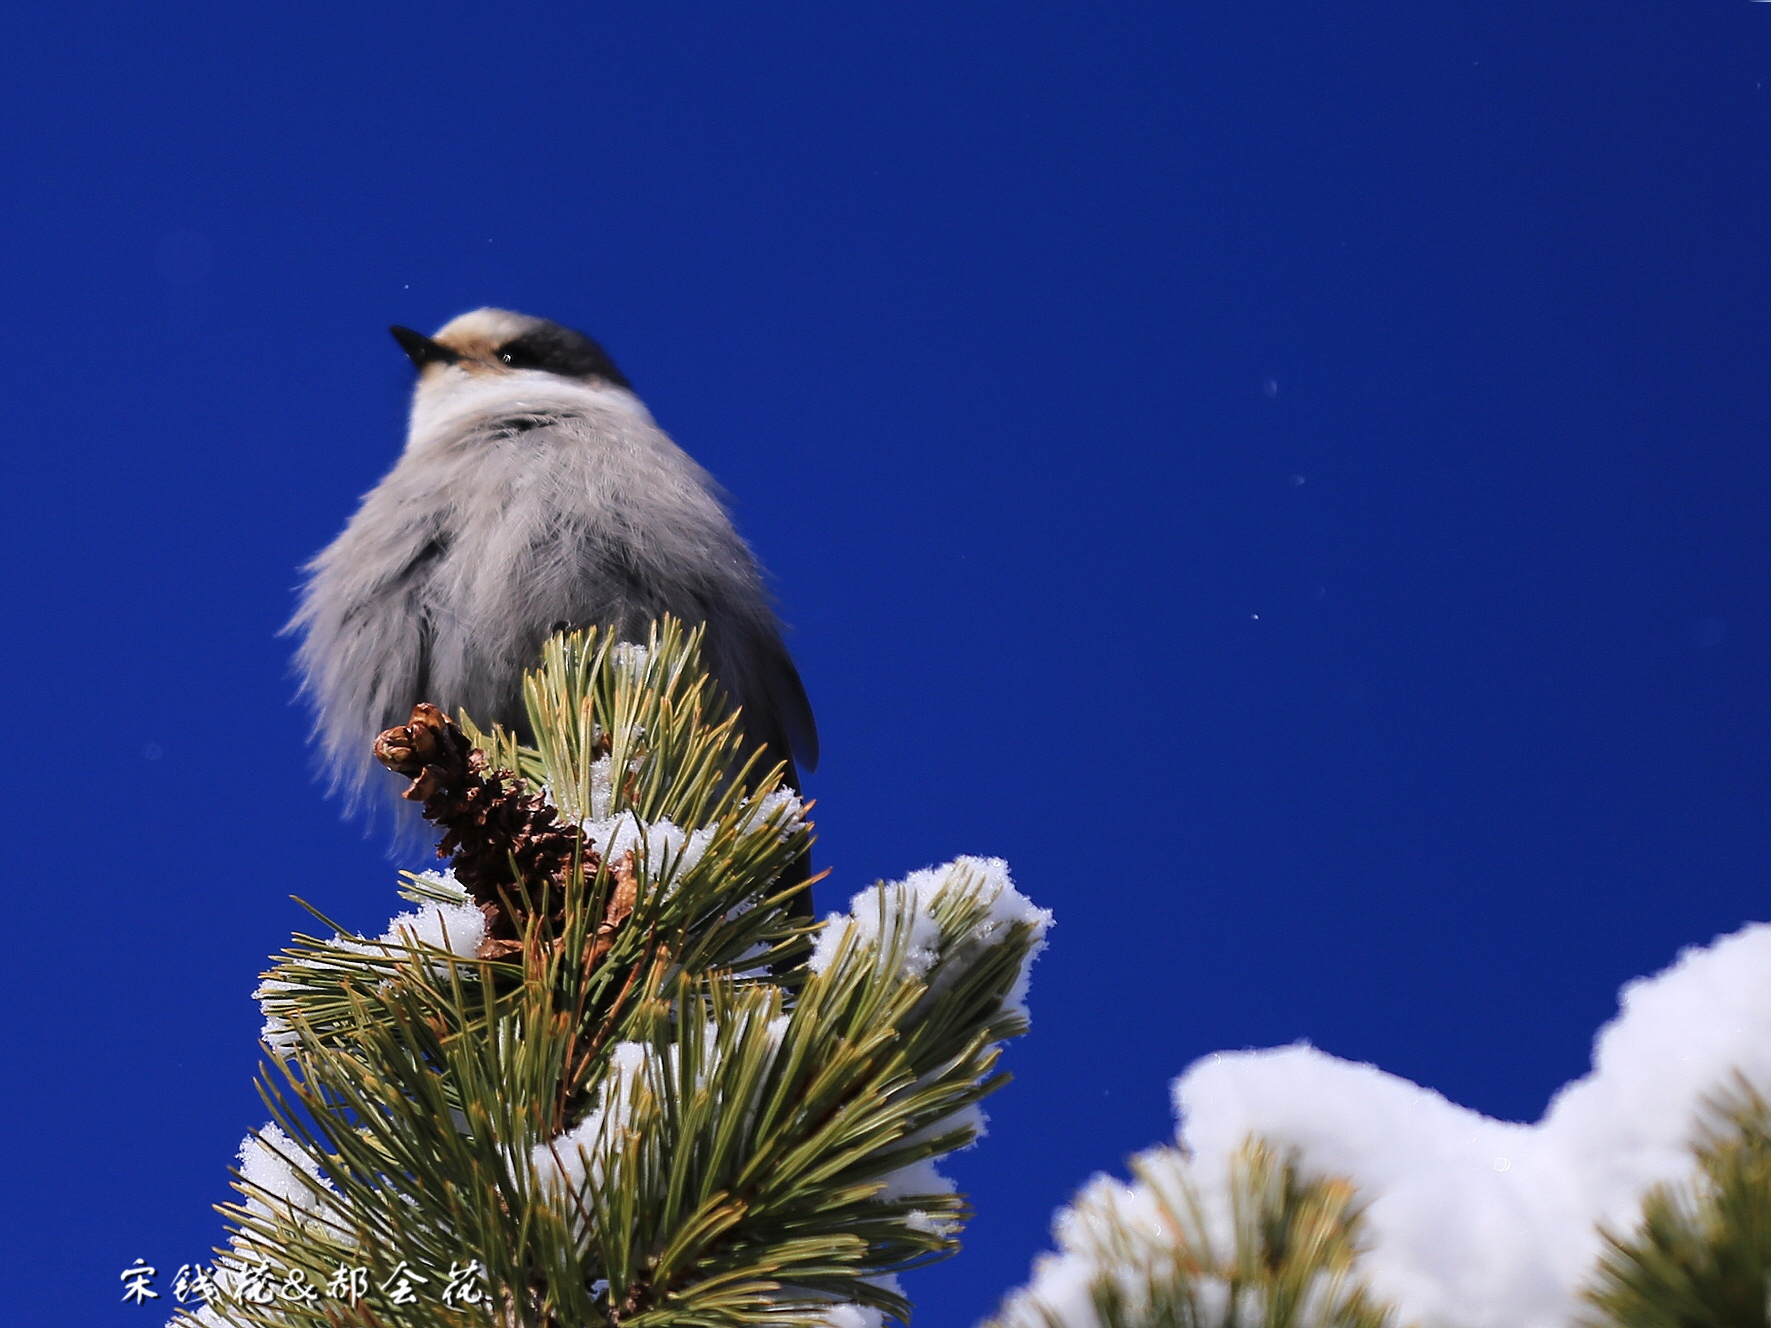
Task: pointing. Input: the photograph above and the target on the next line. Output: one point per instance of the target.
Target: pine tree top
(604, 1069)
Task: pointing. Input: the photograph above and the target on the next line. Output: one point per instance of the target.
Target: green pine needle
(1701, 1255)
(1154, 1257)
(639, 1125)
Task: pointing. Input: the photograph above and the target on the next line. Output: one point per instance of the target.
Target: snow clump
(457, 927)
(1472, 1222)
(909, 906)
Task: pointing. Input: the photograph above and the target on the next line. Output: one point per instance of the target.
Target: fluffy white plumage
(535, 491)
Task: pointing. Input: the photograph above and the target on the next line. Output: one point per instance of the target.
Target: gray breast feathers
(481, 542)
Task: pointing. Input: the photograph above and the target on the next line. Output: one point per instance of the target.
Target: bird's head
(496, 342)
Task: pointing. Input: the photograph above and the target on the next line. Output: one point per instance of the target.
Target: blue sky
(1290, 478)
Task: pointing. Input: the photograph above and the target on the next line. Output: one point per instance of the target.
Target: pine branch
(1701, 1254)
(575, 1064)
(1154, 1254)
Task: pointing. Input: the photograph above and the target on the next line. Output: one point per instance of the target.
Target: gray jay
(535, 492)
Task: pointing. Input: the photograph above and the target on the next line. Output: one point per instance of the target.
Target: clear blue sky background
(1291, 478)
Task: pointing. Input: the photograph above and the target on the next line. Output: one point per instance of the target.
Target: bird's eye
(518, 356)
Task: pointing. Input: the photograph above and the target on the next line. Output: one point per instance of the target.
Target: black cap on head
(560, 350)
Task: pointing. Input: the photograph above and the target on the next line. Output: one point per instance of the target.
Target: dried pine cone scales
(506, 842)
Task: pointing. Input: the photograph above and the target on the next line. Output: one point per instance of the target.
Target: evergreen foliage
(606, 1073)
(609, 1070)
(1701, 1255)
(1267, 1247)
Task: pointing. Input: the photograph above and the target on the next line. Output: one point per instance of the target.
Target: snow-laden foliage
(648, 1107)
(1480, 1223)
(1657, 1163)
(1701, 1253)
(915, 905)
(1268, 1247)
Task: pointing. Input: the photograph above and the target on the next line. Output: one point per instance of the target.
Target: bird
(535, 493)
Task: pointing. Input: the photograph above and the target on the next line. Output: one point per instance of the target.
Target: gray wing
(785, 696)
(752, 664)
(368, 637)
(744, 652)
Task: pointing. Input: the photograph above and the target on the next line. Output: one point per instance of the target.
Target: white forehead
(493, 326)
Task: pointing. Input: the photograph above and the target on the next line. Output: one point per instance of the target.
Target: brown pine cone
(505, 841)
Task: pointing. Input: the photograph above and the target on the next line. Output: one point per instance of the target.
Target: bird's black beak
(421, 349)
